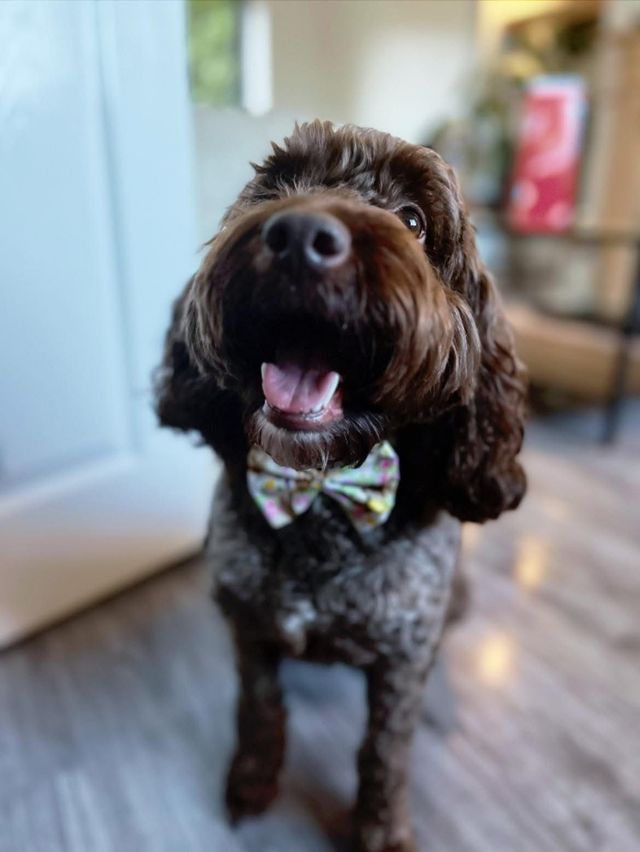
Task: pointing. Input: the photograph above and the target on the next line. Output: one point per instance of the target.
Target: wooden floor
(115, 726)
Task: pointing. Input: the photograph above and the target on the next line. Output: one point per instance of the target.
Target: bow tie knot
(366, 493)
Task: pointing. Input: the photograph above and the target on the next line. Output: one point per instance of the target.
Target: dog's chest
(321, 590)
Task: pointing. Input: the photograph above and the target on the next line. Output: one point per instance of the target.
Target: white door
(97, 237)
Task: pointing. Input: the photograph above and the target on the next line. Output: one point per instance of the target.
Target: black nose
(317, 239)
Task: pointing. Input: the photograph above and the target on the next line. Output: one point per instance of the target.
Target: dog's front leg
(252, 781)
(382, 822)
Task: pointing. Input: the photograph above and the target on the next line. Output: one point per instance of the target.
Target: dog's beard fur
(345, 442)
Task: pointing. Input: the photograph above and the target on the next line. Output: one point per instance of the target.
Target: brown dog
(343, 319)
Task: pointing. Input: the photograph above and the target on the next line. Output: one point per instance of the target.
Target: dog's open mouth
(301, 397)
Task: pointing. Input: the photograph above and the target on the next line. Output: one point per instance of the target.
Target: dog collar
(367, 493)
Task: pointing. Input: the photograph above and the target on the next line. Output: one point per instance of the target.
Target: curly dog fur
(410, 319)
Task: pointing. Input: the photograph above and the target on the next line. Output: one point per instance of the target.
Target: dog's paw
(250, 787)
(380, 838)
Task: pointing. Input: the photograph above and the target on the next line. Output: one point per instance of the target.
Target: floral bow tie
(366, 493)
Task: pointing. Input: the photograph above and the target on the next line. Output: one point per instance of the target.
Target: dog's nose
(318, 239)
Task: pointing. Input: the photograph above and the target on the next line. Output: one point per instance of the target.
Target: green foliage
(213, 51)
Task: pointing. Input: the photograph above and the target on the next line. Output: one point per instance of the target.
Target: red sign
(545, 176)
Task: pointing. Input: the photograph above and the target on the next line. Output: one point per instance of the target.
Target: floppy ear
(189, 399)
(483, 477)
(470, 450)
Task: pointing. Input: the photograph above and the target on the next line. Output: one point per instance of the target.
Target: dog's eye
(413, 219)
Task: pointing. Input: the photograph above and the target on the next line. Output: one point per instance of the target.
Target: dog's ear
(190, 399)
(475, 444)
(483, 476)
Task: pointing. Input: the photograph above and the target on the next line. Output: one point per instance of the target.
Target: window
(214, 51)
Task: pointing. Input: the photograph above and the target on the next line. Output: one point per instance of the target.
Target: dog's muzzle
(301, 391)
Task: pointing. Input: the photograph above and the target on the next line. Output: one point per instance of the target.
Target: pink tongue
(294, 390)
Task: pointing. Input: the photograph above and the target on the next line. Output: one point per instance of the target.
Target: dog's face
(324, 300)
(343, 296)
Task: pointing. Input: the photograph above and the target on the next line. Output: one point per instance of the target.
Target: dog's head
(343, 299)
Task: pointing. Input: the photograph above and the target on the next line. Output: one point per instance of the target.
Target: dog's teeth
(331, 389)
(263, 369)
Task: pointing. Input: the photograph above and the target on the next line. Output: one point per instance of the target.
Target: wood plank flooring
(116, 725)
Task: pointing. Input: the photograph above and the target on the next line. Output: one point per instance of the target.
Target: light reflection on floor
(532, 561)
(495, 659)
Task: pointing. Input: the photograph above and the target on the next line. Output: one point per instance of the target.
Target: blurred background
(126, 128)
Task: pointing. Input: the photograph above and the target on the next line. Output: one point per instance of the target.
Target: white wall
(398, 65)
(227, 141)
(401, 66)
